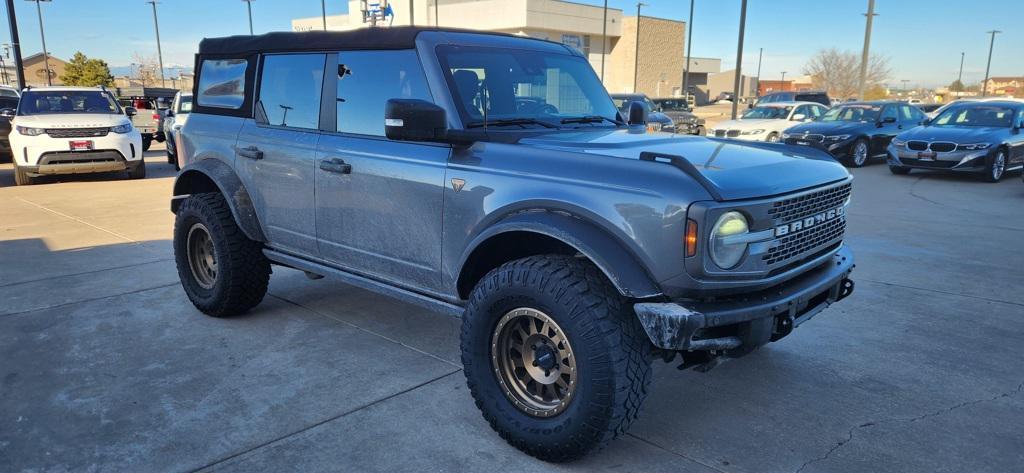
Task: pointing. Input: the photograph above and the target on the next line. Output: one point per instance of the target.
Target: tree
(956, 86)
(838, 72)
(876, 92)
(144, 69)
(82, 71)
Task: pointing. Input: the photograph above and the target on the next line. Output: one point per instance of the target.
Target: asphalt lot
(105, 365)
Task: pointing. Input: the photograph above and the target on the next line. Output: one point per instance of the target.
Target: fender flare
(623, 269)
(195, 178)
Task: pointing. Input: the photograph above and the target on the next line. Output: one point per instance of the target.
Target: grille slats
(917, 145)
(787, 248)
(733, 133)
(797, 244)
(803, 206)
(77, 132)
(937, 146)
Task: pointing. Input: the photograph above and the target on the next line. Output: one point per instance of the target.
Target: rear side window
(290, 88)
(367, 79)
(222, 83)
(818, 98)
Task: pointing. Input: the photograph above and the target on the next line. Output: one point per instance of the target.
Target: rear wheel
(22, 178)
(223, 272)
(996, 167)
(554, 357)
(858, 155)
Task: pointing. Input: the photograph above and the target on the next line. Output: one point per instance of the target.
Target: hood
(959, 135)
(735, 170)
(751, 124)
(831, 128)
(71, 120)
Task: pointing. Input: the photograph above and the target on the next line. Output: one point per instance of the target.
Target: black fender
(612, 257)
(213, 175)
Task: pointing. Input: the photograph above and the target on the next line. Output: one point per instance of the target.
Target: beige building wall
(34, 67)
(659, 71)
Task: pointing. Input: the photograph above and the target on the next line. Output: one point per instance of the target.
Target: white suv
(71, 130)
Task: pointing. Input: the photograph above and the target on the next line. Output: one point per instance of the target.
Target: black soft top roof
(398, 37)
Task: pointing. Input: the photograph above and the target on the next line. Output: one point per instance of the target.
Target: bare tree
(838, 71)
(144, 69)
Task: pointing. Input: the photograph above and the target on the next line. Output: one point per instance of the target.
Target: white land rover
(71, 130)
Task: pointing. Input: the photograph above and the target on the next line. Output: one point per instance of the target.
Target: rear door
(378, 201)
(276, 150)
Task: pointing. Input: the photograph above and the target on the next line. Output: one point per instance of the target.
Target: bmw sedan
(854, 133)
(983, 138)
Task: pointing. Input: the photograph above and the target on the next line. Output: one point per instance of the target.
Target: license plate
(926, 155)
(81, 145)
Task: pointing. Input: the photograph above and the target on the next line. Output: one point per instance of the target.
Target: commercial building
(657, 71)
(1010, 86)
(35, 70)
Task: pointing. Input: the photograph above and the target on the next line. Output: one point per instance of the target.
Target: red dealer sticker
(81, 145)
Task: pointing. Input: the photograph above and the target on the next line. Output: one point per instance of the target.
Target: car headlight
(29, 131)
(785, 135)
(122, 128)
(752, 132)
(725, 253)
(970, 147)
(898, 143)
(837, 137)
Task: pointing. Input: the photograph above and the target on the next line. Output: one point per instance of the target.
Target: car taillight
(156, 116)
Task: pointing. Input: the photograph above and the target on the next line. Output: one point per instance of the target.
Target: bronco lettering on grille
(809, 222)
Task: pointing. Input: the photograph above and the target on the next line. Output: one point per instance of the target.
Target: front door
(379, 202)
(276, 151)
(886, 131)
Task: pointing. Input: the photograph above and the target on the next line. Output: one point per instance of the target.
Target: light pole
(903, 88)
(323, 13)
(437, 21)
(42, 36)
(992, 42)
(686, 72)
(636, 51)
(159, 51)
(960, 76)
(760, 52)
(739, 61)
(604, 38)
(248, 5)
(867, 45)
(782, 83)
(12, 21)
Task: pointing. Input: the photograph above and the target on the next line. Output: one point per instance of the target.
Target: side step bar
(362, 282)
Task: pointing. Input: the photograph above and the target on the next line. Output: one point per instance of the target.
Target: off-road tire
(850, 160)
(612, 353)
(146, 143)
(899, 170)
(137, 172)
(242, 269)
(22, 178)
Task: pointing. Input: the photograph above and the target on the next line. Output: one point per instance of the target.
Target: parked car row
(667, 115)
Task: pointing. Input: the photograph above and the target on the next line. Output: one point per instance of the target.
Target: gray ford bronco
(491, 177)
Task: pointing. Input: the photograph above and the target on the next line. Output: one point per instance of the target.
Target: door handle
(336, 165)
(250, 152)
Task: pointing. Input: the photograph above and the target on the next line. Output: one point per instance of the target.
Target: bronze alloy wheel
(201, 257)
(533, 362)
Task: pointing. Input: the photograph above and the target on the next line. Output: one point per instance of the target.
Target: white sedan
(767, 121)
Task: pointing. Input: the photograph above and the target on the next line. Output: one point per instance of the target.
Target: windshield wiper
(510, 122)
(589, 119)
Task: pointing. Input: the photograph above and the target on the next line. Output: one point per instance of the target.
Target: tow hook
(845, 289)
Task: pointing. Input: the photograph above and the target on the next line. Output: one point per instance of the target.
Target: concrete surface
(105, 365)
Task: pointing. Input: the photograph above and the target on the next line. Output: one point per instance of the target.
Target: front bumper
(725, 324)
(80, 163)
(959, 161)
(838, 149)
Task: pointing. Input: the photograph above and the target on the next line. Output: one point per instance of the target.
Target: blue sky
(922, 38)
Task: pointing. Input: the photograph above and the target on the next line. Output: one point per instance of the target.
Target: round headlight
(724, 253)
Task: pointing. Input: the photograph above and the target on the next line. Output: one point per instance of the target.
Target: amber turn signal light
(691, 237)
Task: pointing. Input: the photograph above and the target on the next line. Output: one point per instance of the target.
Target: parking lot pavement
(107, 366)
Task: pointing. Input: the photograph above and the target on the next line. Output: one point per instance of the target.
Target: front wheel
(858, 155)
(554, 357)
(701, 131)
(223, 272)
(138, 171)
(147, 141)
(773, 138)
(996, 167)
(22, 178)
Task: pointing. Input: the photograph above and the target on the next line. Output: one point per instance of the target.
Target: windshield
(525, 88)
(674, 105)
(185, 104)
(67, 101)
(975, 115)
(852, 113)
(767, 112)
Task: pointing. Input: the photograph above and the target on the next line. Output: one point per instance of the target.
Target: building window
(586, 46)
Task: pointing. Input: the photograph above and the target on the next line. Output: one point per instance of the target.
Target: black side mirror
(130, 111)
(169, 113)
(889, 120)
(637, 114)
(415, 120)
(7, 112)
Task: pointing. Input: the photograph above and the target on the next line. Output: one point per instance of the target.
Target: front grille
(917, 145)
(796, 208)
(77, 132)
(719, 133)
(795, 245)
(943, 146)
(810, 137)
(733, 133)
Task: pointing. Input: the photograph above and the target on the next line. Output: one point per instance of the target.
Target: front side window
(222, 83)
(889, 112)
(42, 102)
(852, 113)
(767, 112)
(976, 115)
(8, 93)
(368, 79)
(545, 88)
(184, 104)
(290, 88)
